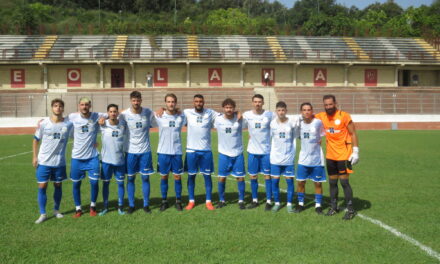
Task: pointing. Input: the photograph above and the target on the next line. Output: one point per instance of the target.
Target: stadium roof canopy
(223, 49)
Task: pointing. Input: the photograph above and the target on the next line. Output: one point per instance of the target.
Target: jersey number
(199, 119)
(115, 133)
(85, 129)
(57, 135)
(282, 134)
(228, 130)
(138, 124)
(332, 130)
(306, 135)
(172, 124)
(257, 125)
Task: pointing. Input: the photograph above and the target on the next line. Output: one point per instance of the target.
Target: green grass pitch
(397, 182)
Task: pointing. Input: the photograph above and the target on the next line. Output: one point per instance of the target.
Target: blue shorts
(280, 170)
(231, 166)
(139, 163)
(79, 168)
(107, 171)
(258, 164)
(167, 163)
(316, 173)
(46, 173)
(199, 161)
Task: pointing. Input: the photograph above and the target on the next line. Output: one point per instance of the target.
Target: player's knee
(57, 184)
(345, 183)
(145, 178)
(253, 177)
(177, 177)
(42, 185)
(240, 179)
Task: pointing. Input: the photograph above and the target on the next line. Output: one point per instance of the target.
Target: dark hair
(281, 104)
(57, 100)
(199, 96)
(135, 94)
(228, 101)
(112, 105)
(306, 103)
(257, 96)
(329, 96)
(172, 96)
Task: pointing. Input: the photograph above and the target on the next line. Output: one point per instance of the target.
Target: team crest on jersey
(90, 121)
(337, 122)
(85, 129)
(144, 118)
(312, 130)
(257, 125)
(172, 123)
(138, 124)
(228, 130)
(64, 129)
(282, 134)
(265, 119)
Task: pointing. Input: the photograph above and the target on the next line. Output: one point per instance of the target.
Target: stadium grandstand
(368, 75)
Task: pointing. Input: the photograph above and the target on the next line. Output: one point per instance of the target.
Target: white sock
(301, 203)
(289, 204)
(191, 201)
(255, 200)
(240, 201)
(277, 203)
(92, 204)
(78, 207)
(208, 201)
(317, 205)
(269, 201)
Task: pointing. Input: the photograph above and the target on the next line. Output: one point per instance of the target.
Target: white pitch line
(431, 252)
(19, 154)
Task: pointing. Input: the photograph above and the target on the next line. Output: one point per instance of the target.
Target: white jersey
(310, 134)
(138, 130)
(53, 138)
(199, 129)
(112, 139)
(85, 131)
(229, 131)
(283, 142)
(259, 132)
(170, 139)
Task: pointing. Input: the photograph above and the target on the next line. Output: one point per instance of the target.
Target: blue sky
(364, 3)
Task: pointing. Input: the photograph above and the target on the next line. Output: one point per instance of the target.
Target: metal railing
(38, 104)
(13, 54)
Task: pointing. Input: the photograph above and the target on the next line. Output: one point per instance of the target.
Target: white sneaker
(57, 214)
(41, 219)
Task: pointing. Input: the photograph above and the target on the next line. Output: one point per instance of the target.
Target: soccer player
(84, 154)
(169, 150)
(258, 123)
(311, 157)
(282, 154)
(342, 153)
(138, 157)
(49, 160)
(230, 148)
(113, 160)
(198, 148)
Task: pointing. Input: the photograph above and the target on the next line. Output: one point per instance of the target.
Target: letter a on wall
(17, 78)
(370, 77)
(320, 77)
(271, 72)
(160, 77)
(73, 77)
(215, 77)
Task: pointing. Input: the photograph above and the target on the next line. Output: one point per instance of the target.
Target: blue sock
(121, 193)
(94, 190)
(130, 190)
(276, 189)
(191, 185)
(164, 188)
(241, 187)
(57, 194)
(268, 183)
(221, 190)
(254, 187)
(301, 197)
(105, 193)
(318, 198)
(208, 186)
(290, 190)
(178, 189)
(42, 200)
(146, 189)
(76, 190)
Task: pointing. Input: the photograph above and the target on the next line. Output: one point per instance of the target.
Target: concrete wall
(33, 76)
(231, 75)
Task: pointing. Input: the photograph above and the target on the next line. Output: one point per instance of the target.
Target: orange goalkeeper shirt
(338, 139)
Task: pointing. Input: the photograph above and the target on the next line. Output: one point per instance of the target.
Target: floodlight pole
(175, 12)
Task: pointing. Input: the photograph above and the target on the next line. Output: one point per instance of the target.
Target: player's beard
(330, 111)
